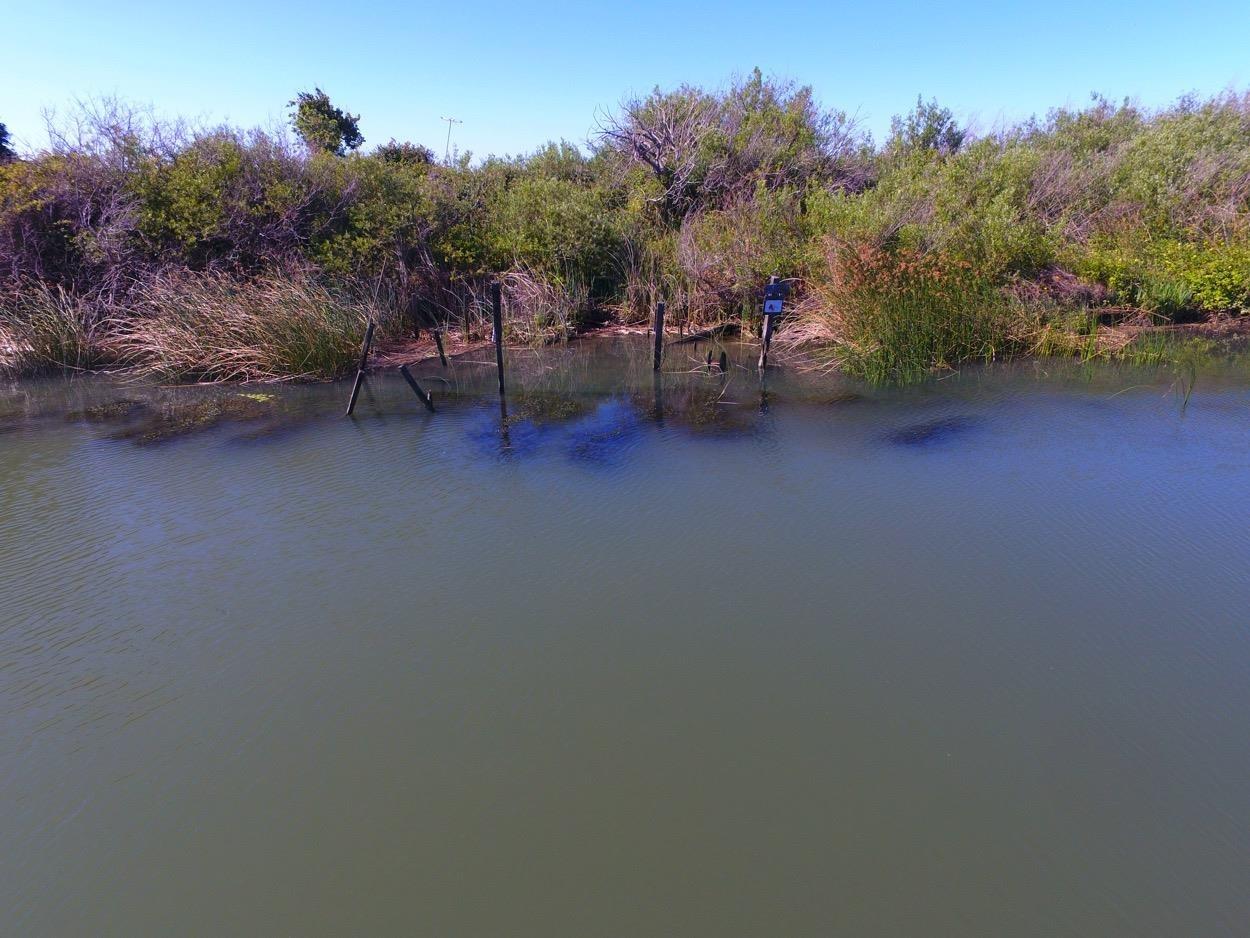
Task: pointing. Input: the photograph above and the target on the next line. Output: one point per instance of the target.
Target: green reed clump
(897, 318)
(1072, 335)
(212, 327)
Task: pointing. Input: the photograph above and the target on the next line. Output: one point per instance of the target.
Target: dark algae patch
(172, 419)
(111, 412)
(547, 406)
(933, 432)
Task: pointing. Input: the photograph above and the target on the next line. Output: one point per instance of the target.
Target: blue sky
(520, 73)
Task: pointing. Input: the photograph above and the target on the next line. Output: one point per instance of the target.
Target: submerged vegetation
(221, 254)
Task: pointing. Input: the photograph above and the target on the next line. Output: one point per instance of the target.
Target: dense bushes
(936, 245)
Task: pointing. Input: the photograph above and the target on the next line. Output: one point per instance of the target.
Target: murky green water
(967, 659)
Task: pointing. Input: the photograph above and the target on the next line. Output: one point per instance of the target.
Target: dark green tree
(410, 154)
(928, 127)
(6, 151)
(323, 127)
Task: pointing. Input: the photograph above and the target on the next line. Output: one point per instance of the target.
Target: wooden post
(767, 338)
(496, 303)
(360, 370)
(438, 341)
(416, 388)
(659, 336)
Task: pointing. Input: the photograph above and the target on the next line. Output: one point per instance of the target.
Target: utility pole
(447, 150)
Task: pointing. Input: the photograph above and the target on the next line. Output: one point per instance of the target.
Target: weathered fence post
(425, 397)
(496, 302)
(360, 370)
(438, 341)
(659, 336)
(774, 295)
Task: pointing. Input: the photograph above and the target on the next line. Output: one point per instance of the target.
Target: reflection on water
(931, 432)
(627, 655)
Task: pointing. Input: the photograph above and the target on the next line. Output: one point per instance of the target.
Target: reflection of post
(659, 336)
(503, 423)
(360, 370)
(657, 396)
(496, 302)
(763, 395)
(768, 339)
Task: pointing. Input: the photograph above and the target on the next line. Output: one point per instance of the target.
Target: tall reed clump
(212, 327)
(44, 327)
(898, 316)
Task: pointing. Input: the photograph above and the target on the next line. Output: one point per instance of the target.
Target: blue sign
(774, 297)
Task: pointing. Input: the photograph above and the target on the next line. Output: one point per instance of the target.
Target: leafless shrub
(705, 149)
(1056, 287)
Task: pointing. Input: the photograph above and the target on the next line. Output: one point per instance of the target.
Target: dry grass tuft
(44, 327)
(540, 312)
(210, 327)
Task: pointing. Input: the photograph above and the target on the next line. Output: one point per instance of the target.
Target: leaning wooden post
(496, 303)
(425, 397)
(360, 370)
(438, 342)
(659, 336)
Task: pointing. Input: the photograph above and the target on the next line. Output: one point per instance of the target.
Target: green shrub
(558, 229)
(1169, 276)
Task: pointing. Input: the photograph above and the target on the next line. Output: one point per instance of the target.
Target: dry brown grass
(209, 327)
(539, 312)
(44, 327)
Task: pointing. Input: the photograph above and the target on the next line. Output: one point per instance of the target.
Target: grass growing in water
(898, 318)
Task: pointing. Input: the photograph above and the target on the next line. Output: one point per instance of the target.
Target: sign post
(774, 302)
(659, 336)
(496, 310)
